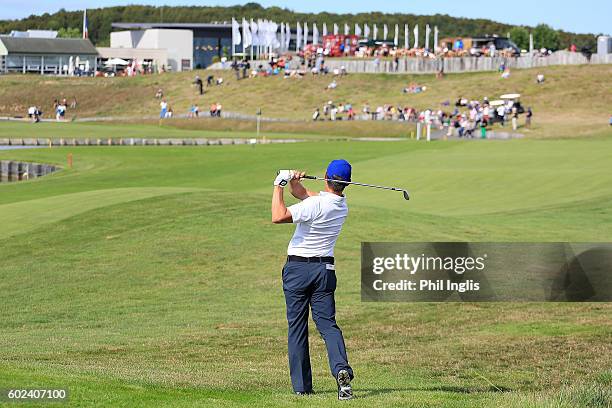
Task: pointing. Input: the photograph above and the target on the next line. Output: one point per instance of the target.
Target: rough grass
(154, 279)
(574, 100)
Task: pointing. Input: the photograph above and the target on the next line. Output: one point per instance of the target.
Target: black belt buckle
(312, 259)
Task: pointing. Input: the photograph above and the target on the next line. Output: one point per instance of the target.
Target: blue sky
(586, 16)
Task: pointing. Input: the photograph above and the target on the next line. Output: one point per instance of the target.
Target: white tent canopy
(116, 61)
(510, 96)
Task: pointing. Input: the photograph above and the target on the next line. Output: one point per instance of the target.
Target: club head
(406, 196)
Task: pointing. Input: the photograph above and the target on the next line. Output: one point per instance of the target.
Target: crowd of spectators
(466, 118)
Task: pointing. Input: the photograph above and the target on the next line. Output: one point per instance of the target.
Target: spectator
(458, 45)
(333, 112)
(350, 112)
(501, 114)
(219, 109)
(163, 105)
(200, 84)
(246, 65)
(514, 118)
(213, 110)
(32, 112)
(73, 104)
(159, 94)
(60, 112)
(236, 69)
(529, 115)
(332, 85)
(366, 110)
(316, 114)
(540, 78)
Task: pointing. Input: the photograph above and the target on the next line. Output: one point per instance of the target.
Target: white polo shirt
(319, 220)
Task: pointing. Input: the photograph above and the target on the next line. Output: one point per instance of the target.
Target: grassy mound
(573, 101)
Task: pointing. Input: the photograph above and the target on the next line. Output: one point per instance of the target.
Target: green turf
(151, 276)
(102, 130)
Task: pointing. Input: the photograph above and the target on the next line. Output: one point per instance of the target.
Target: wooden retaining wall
(15, 170)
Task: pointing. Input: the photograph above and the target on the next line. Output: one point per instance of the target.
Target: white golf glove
(283, 178)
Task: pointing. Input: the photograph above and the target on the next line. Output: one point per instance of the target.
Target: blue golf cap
(339, 168)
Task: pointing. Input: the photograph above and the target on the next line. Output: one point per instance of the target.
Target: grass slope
(573, 101)
(156, 278)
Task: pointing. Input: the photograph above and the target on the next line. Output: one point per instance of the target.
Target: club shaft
(354, 183)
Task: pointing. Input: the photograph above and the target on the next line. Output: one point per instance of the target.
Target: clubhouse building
(188, 45)
(44, 54)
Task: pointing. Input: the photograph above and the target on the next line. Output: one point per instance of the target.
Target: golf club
(405, 192)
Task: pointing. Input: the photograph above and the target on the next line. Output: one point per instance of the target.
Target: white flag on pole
(375, 32)
(336, 29)
(277, 43)
(427, 31)
(347, 29)
(436, 33)
(287, 36)
(305, 35)
(315, 34)
(282, 36)
(385, 31)
(366, 31)
(324, 29)
(396, 39)
(236, 38)
(254, 33)
(246, 32)
(406, 37)
(298, 37)
(357, 30)
(263, 32)
(416, 36)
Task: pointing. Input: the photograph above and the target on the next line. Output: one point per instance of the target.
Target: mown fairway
(150, 276)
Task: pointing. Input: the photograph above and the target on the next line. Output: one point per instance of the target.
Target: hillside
(100, 20)
(574, 100)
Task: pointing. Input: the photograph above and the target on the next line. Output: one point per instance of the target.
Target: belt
(312, 259)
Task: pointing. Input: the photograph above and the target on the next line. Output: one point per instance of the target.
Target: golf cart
(513, 101)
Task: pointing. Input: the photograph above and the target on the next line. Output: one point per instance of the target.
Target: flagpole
(85, 28)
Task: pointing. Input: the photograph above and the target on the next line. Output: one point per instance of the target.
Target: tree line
(69, 23)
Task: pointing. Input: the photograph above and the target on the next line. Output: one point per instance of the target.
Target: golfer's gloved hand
(283, 178)
(297, 175)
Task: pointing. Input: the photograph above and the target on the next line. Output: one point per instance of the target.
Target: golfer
(309, 278)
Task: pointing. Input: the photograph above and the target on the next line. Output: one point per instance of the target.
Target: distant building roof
(34, 34)
(144, 26)
(67, 46)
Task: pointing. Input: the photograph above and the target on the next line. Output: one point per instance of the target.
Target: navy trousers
(311, 286)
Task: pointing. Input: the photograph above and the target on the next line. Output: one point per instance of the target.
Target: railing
(422, 65)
